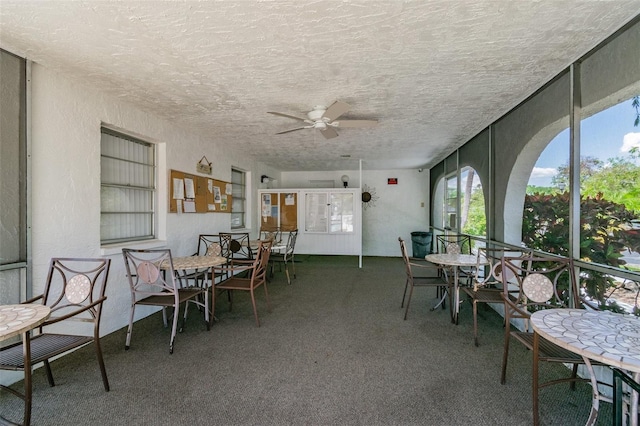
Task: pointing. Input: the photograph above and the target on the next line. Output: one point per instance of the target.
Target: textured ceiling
(433, 72)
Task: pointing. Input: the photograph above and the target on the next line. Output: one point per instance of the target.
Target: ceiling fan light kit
(323, 119)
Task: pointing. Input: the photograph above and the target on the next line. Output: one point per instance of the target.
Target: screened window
(239, 194)
(13, 179)
(128, 188)
(451, 204)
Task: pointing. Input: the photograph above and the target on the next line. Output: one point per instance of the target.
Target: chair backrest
(291, 243)
(533, 282)
(454, 244)
(488, 271)
(235, 245)
(270, 233)
(150, 272)
(405, 257)
(209, 245)
(288, 228)
(76, 283)
(260, 263)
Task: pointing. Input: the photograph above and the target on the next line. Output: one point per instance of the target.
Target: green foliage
(618, 179)
(603, 234)
(533, 189)
(476, 223)
(635, 103)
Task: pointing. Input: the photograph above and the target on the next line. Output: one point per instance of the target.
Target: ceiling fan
(325, 119)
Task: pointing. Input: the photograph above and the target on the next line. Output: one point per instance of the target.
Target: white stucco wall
(66, 120)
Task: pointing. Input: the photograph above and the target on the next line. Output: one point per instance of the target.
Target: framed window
(239, 194)
(329, 212)
(127, 188)
(451, 204)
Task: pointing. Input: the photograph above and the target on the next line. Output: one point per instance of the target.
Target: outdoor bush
(604, 235)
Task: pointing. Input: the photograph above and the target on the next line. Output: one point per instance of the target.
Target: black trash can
(421, 243)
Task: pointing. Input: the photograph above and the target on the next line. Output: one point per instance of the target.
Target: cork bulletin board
(289, 210)
(189, 193)
(279, 209)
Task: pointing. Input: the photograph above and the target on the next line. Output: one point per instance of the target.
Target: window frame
(242, 198)
(152, 188)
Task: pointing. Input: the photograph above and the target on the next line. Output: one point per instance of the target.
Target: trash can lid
(420, 234)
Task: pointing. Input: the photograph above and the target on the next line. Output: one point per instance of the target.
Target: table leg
(595, 395)
(456, 297)
(633, 414)
(441, 301)
(445, 294)
(28, 386)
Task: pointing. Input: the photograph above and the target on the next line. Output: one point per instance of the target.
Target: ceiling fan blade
(293, 130)
(355, 123)
(288, 116)
(329, 133)
(336, 110)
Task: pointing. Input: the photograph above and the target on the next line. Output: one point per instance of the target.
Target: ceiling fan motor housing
(317, 113)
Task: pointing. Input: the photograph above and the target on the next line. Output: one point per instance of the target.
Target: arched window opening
(473, 219)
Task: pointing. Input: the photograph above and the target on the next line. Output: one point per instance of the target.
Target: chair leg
(127, 342)
(406, 284)
(174, 328)
(103, 370)
(47, 368)
(184, 316)
(505, 354)
(406, 310)
(212, 316)
(475, 321)
(207, 320)
(266, 296)
(255, 310)
(574, 374)
(286, 271)
(293, 266)
(164, 316)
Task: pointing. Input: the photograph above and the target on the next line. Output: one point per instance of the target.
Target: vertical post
(574, 164)
(491, 207)
(360, 204)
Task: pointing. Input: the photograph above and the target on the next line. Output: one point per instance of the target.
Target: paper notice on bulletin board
(189, 188)
(189, 206)
(266, 205)
(178, 189)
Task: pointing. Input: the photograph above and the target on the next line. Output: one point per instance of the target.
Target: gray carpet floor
(334, 351)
